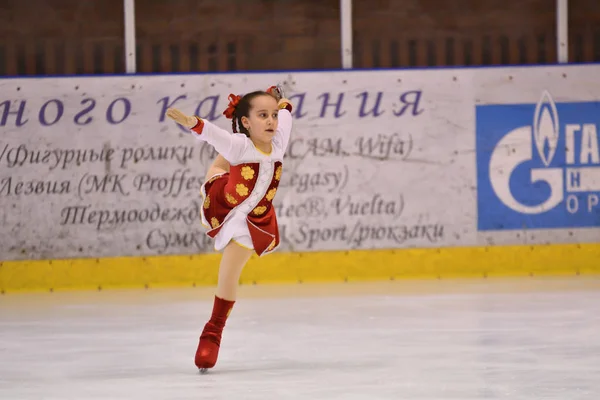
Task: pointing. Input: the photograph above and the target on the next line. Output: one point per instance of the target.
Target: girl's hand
(181, 118)
(282, 102)
(276, 92)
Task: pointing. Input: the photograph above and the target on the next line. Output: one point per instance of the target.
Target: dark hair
(243, 110)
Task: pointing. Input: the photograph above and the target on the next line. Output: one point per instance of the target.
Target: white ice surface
(524, 339)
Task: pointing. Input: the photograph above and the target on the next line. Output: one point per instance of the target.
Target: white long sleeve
(284, 128)
(230, 145)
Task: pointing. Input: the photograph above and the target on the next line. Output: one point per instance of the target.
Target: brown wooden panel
(460, 32)
(34, 31)
(86, 36)
(584, 31)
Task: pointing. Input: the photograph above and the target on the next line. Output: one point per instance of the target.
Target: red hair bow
(234, 100)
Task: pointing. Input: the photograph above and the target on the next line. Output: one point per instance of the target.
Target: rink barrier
(298, 268)
(439, 135)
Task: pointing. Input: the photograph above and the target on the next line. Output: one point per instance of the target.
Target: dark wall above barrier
(86, 36)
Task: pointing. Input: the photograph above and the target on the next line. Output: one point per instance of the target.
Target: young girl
(238, 194)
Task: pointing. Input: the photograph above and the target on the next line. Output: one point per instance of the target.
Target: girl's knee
(212, 171)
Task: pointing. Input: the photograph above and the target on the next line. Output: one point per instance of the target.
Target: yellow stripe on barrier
(356, 265)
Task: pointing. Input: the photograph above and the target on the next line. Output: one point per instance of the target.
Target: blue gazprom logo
(538, 165)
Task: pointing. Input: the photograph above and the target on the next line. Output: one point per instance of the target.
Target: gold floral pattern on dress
(271, 194)
(230, 199)
(241, 189)
(214, 222)
(260, 210)
(271, 246)
(207, 202)
(247, 173)
(278, 173)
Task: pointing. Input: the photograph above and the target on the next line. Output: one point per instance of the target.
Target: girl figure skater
(238, 194)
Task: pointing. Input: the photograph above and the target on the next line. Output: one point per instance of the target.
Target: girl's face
(262, 119)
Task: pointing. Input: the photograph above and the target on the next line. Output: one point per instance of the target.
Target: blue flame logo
(546, 128)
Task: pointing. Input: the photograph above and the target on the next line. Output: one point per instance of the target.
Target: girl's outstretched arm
(230, 146)
(284, 128)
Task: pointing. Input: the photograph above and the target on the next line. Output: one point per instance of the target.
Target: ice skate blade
(203, 371)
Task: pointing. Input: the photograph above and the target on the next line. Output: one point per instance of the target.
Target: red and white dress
(238, 205)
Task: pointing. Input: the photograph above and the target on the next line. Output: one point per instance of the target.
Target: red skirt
(222, 219)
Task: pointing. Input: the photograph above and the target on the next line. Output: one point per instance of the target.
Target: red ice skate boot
(210, 339)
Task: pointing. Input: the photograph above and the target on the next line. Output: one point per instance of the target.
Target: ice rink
(523, 339)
